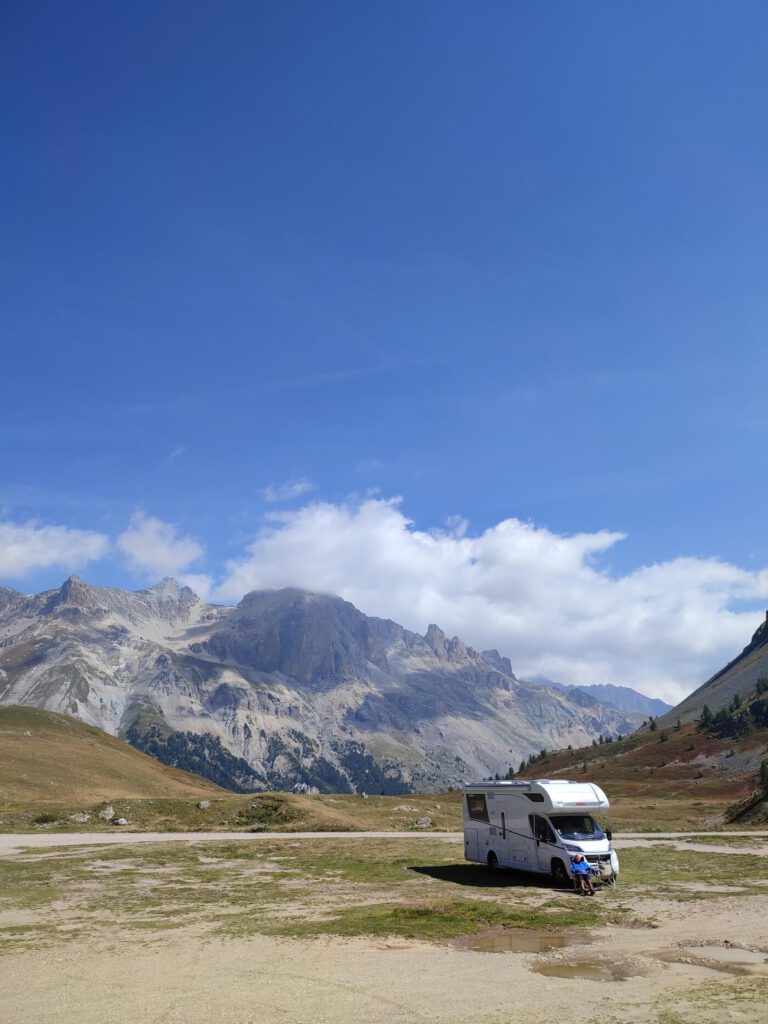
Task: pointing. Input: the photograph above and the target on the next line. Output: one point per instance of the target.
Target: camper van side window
(476, 806)
(535, 798)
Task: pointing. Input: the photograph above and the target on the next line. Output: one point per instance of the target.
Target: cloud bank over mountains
(153, 548)
(542, 598)
(26, 547)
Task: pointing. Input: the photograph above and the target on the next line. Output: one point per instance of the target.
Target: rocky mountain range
(286, 690)
(623, 698)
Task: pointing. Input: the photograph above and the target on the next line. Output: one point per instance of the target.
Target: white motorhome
(537, 826)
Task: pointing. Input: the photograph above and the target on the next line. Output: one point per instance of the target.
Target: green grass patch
(437, 919)
(663, 864)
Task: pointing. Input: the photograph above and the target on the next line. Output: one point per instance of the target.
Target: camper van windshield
(576, 826)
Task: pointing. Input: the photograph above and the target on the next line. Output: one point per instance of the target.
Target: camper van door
(504, 836)
(544, 840)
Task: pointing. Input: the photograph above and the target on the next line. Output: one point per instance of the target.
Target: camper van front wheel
(559, 873)
(493, 862)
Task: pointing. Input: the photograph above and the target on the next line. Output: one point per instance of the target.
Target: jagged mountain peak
(76, 593)
(322, 637)
(436, 639)
(73, 584)
(311, 637)
(317, 611)
(169, 593)
(498, 661)
(453, 650)
(167, 585)
(9, 595)
(166, 604)
(291, 596)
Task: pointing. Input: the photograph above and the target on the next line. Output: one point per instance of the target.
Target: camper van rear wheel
(493, 862)
(559, 874)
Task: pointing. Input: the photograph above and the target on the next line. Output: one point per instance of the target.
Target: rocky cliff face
(286, 690)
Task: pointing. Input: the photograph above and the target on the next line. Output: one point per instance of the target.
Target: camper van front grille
(598, 858)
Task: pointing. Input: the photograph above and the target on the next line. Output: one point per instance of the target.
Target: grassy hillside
(674, 777)
(45, 756)
(235, 812)
(53, 766)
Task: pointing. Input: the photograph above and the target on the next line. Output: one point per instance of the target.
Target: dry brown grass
(47, 757)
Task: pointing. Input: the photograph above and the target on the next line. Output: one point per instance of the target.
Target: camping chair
(604, 876)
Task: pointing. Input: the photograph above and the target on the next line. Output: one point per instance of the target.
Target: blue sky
(502, 261)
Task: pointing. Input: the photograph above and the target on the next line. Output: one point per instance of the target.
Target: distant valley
(623, 698)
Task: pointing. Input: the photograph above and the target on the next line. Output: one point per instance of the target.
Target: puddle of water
(698, 970)
(589, 970)
(518, 940)
(725, 954)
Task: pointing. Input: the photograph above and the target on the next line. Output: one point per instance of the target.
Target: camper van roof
(507, 783)
(551, 794)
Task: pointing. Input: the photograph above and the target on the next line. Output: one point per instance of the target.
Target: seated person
(582, 873)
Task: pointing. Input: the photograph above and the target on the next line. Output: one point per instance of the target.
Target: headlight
(573, 849)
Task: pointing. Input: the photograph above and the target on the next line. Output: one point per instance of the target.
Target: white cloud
(539, 597)
(153, 548)
(288, 491)
(546, 600)
(25, 547)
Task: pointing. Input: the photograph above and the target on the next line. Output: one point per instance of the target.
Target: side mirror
(609, 834)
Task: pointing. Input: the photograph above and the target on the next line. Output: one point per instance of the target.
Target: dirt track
(10, 843)
(35, 841)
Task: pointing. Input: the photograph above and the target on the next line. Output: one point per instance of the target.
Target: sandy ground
(9, 843)
(190, 978)
(187, 980)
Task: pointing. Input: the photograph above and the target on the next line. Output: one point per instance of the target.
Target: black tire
(560, 876)
(493, 862)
